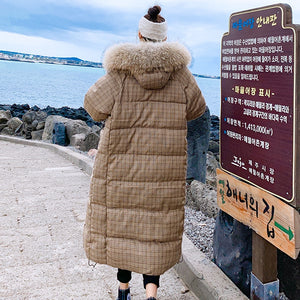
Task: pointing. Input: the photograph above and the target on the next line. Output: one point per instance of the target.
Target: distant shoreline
(49, 63)
(66, 61)
(31, 58)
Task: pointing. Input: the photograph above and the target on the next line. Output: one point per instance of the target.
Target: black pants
(124, 276)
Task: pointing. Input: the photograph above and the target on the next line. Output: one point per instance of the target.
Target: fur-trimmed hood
(146, 57)
(150, 63)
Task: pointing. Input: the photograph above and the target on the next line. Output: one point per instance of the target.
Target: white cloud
(197, 24)
(128, 5)
(42, 46)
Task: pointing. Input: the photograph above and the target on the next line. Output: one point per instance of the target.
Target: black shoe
(124, 294)
(151, 298)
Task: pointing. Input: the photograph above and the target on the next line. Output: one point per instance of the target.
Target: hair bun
(153, 12)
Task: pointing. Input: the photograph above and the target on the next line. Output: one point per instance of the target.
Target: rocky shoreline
(74, 127)
(81, 131)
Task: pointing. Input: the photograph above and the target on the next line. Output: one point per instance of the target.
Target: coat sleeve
(195, 101)
(100, 98)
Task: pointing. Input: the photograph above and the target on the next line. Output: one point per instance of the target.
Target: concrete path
(42, 210)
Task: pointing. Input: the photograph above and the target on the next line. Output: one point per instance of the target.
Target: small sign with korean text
(271, 218)
(258, 96)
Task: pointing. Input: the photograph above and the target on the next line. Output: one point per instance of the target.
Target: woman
(136, 211)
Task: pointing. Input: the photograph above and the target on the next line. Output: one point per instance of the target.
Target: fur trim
(146, 57)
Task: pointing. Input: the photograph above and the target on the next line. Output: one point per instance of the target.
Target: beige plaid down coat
(135, 215)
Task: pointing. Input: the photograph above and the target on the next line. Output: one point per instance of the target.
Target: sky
(86, 28)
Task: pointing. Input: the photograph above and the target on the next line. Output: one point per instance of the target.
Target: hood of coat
(150, 63)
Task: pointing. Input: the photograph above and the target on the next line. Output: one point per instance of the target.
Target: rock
(28, 117)
(34, 124)
(90, 142)
(37, 134)
(72, 127)
(96, 129)
(18, 110)
(215, 135)
(49, 125)
(197, 139)
(72, 113)
(213, 147)
(211, 166)
(214, 128)
(232, 246)
(203, 197)
(5, 115)
(77, 127)
(289, 275)
(41, 125)
(31, 120)
(77, 140)
(27, 129)
(14, 123)
(3, 126)
(59, 136)
(7, 131)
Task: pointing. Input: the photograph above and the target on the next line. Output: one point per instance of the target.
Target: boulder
(289, 275)
(77, 140)
(32, 116)
(37, 134)
(7, 131)
(232, 246)
(40, 125)
(5, 115)
(34, 124)
(214, 128)
(59, 136)
(3, 126)
(31, 120)
(74, 127)
(49, 125)
(14, 123)
(211, 166)
(197, 139)
(203, 197)
(90, 142)
(29, 117)
(96, 129)
(18, 110)
(213, 147)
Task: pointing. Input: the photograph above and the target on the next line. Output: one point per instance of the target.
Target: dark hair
(153, 14)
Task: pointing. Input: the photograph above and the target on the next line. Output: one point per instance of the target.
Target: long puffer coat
(135, 215)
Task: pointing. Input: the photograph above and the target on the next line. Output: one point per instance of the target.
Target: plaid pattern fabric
(136, 211)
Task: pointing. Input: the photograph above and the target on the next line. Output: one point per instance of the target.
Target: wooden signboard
(259, 131)
(274, 220)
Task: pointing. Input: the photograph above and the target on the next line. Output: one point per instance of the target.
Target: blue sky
(86, 28)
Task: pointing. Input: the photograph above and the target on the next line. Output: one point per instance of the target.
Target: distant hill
(32, 58)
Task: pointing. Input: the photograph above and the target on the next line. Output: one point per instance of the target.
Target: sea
(63, 85)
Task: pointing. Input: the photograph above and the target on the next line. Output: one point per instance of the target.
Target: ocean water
(60, 85)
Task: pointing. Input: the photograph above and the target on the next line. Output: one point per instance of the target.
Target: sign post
(260, 181)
